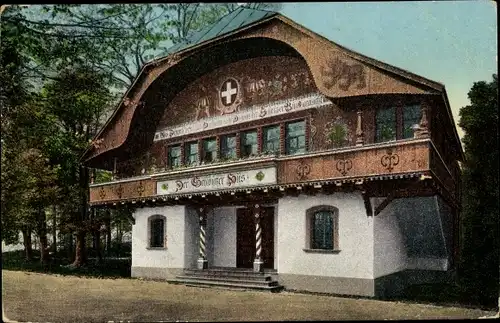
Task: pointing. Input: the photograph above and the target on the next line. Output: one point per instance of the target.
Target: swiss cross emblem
(229, 91)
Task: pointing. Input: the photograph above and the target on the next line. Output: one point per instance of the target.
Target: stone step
(229, 276)
(232, 273)
(245, 286)
(229, 280)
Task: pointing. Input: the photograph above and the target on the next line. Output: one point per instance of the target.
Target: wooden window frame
(151, 219)
(221, 155)
(169, 162)
(399, 119)
(310, 227)
(202, 157)
(242, 134)
(263, 141)
(187, 145)
(304, 120)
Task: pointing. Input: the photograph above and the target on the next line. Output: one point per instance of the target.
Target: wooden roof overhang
(134, 121)
(409, 185)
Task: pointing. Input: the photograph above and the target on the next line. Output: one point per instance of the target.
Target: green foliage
(479, 120)
(338, 135)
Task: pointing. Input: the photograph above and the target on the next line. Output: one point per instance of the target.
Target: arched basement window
(157, 229)
(322, 229)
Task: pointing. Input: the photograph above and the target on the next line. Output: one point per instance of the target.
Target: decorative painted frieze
(220, 181)
(253, 113)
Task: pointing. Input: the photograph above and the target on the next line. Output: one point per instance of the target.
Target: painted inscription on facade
(251, 114)
(342, 75)
(214, 182)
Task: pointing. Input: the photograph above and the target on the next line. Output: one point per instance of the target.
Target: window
(174, 156)
(249, 143)
(296, 137)
(385, 124)
(209, 150)
(411, 119)
(157, 231)
(228, 147)
(191, 153)
(271, 140)
(322, 229)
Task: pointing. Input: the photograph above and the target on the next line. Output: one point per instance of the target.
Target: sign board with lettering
(251, 114)
(215, 182)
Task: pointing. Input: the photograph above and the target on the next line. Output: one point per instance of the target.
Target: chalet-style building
(260, 154)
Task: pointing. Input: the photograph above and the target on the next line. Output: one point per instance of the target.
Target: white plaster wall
(389, 254)
(355, 260)
(173, 255)
(224, 237)
(191, 238)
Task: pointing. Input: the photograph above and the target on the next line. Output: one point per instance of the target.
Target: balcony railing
(375, 161)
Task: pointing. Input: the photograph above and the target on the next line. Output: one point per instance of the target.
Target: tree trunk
(54, 229)
(28, 247)
(42, 235)
(97, 245)
(108, 231)
(80, 254)
(70, 252)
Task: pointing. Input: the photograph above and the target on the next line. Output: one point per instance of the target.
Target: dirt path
(51, 298)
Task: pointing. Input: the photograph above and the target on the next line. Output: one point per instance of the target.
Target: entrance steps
(228, 278)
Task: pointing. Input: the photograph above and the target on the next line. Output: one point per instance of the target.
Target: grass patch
(109, 268)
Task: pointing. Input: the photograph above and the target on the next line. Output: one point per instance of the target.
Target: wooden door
(267, 225)
(245, 237)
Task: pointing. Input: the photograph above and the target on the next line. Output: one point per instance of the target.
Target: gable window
(174, 156)
(322, 229)
(228, 147)
(385, 123)
(191, 153)
(249, 143)
(411, 120)
(295, 137)
(157, 229)
(209, 150)
(271, 140)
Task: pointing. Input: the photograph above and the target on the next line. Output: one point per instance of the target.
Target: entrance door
(245, 237)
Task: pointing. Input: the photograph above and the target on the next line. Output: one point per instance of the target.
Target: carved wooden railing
(381, 161)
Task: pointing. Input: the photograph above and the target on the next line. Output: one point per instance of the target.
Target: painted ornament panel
(238, 86)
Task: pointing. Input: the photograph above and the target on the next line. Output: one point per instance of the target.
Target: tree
(78, 101)
(480, 257)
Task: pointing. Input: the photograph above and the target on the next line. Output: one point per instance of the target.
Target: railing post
(359, 129)
(257, 264)
(423, 127)
(202, 259)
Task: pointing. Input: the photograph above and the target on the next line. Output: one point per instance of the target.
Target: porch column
(202, 259)
(257, 264)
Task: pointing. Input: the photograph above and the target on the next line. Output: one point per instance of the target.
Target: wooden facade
(275, 73)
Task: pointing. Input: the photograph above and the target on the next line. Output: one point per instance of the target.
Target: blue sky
(451, 42)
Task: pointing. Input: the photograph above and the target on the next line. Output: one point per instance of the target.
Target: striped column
(257, 264)
(202, 259)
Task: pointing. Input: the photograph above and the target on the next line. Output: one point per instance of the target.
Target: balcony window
(228, 147)
(249, 143)
(191, 153)
(411, 119)
(271, 140)
(385, 124)
(209, 150)
(295, 137)
(174, 156)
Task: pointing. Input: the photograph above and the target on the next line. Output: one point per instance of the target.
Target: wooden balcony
(384, 161)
